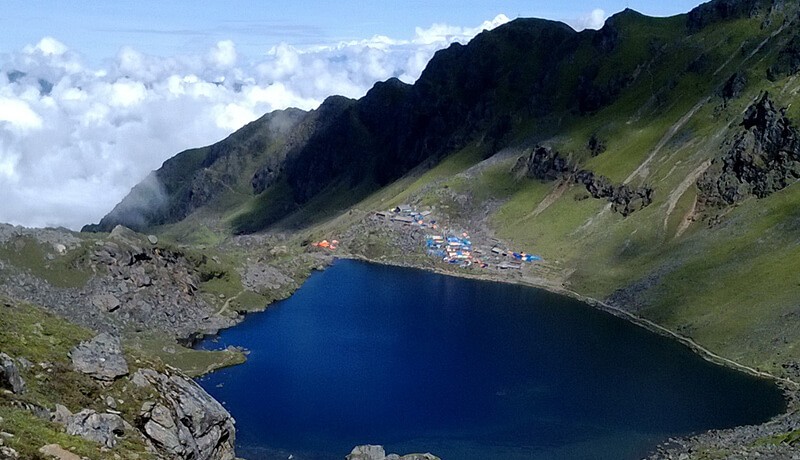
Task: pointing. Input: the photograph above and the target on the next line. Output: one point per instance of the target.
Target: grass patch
(791, 438)
(31, 433)
(192, 362)
(29, 331)
(43, 261)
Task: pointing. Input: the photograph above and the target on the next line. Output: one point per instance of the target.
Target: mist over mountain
(70, 130)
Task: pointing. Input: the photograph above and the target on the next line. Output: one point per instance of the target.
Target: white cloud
(48, 46)
(18, 114)
(439, 33)
(593, 20)
(223, 55)
(74, 139)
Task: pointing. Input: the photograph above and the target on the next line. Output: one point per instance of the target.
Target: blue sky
(98, 29)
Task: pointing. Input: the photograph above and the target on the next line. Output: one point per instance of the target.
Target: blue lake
(464, 369)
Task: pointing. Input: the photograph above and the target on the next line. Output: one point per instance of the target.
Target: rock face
(374, 452)
(788, 62)
(105, 429)
(101, 358)
(544, 163)
(187, 423)
(9, 375)
(624, 198)
(718, 11)
(734, 86)
(762, 159)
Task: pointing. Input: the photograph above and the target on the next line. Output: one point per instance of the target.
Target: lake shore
(547, 285)
(764, 439)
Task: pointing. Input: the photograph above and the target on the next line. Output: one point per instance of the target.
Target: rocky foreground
(90, 401)
(97, 385)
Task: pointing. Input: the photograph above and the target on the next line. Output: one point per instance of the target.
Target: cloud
(18, 114)
(75, 139)
(223, 55)
(593, 20)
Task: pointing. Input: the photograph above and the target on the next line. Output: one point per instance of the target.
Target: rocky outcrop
(143, 278)
(733, 86)
(105, 429)
(186, 423)
(762, 159)
(132, 283)
(544, 163)
(101, 358)
(595, 145)
(9, 375)
(375, 452)
(788, 62)
(624, 198)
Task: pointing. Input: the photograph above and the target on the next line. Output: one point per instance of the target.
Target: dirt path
(225, 307)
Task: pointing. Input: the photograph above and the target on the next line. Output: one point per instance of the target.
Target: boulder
(375, 452)
(367, 452)
(140, 380)
(187, 423)
(9, 375)
(61, 415)
(105, 429)
(152, 239)
(100, 358)
(106, 302)
(58, 452)
(7, 453)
